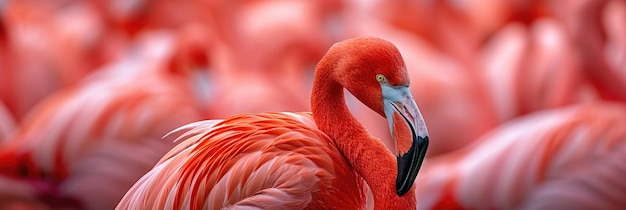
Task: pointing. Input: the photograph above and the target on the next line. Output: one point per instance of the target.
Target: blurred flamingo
(114, 120)
(568, 158)
(597, 28)
(131, 19)
(35, 67)
(529, 69)
(278, 39)
(292, 163)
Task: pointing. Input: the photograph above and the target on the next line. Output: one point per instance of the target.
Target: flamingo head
(383, 85)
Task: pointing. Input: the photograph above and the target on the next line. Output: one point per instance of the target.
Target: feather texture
(262, 161)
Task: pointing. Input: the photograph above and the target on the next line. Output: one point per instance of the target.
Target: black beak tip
(409, 165)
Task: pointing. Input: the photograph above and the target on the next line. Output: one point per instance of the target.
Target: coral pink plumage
(280, 158)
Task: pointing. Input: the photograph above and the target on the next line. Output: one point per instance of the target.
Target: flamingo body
(243, 162)
(318, 160)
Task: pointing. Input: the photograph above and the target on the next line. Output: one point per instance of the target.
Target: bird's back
(267, 161)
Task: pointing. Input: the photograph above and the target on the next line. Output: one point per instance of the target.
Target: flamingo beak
(409, 133)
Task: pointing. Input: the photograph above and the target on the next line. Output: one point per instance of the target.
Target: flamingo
(527, 69)
(596, 26)
(317, 160)
(246, 69)
(33, 66)
(567, 158)
(113, 120)
(276, 39)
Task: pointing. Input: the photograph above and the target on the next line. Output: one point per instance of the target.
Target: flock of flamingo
(293, 104)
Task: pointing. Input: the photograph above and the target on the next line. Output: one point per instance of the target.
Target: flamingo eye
(381, 78)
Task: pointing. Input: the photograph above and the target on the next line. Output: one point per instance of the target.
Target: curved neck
(366, 154)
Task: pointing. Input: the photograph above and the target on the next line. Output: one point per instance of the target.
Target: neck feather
(367, 155)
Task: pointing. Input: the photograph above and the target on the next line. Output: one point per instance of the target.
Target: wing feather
(267, 161)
